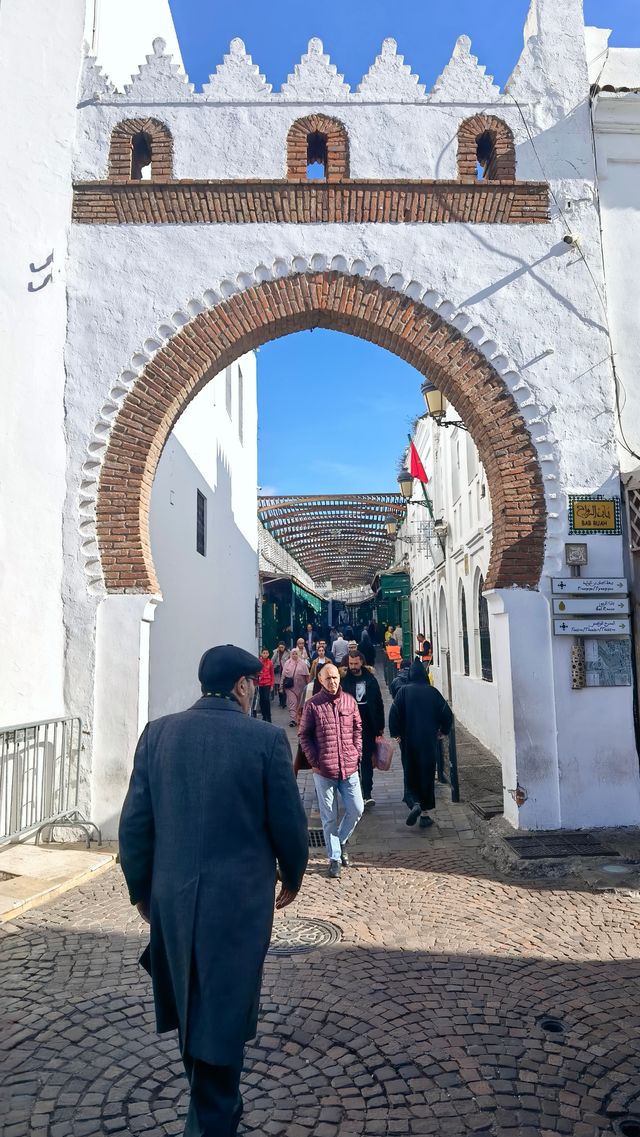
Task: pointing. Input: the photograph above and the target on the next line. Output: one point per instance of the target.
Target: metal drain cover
(316, 839)
(534, 846)
(292, 937)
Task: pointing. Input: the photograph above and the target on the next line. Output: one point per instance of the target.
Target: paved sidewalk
(424, 1017)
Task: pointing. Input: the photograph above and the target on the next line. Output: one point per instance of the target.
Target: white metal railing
(40, 779)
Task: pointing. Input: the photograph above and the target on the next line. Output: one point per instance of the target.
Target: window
(485, 153)
(240, 405)
(201, 524)
(486, 665)
(464, 631)
(486, 150)
(317, 147)
(317, 155)
(141, 149)
(141, 156)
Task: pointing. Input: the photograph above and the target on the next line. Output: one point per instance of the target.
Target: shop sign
(592, 513)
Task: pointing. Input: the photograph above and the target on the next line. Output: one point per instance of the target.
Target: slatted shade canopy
(339, 537)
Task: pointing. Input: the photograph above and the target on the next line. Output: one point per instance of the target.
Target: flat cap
(222, 666)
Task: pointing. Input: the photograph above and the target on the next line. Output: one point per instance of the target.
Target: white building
(448, 567)
(151, 277)
(203, 535)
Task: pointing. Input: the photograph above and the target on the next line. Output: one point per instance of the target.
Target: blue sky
(334, 411)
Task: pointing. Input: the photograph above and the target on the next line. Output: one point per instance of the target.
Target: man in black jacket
(360, 682)
(211, 804)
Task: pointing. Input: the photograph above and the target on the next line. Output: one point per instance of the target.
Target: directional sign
(593, 627)
(594, 606)
(579, 585)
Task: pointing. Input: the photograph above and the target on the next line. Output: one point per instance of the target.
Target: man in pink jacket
(331, 738)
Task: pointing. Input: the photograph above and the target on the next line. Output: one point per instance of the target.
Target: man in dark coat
(418, 714)
(211, 804)
(360, 682)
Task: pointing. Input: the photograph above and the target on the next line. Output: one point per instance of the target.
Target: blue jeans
(327, 790)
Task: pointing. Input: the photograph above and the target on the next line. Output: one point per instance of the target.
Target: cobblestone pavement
(423, 1018)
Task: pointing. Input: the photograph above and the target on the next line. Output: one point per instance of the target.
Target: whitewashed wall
(38, 92)
(120, 34)
(210, 599)
(519, 292)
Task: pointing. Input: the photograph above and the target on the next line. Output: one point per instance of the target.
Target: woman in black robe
(418, 714)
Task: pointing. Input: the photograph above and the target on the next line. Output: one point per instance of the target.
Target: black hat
(222, 666)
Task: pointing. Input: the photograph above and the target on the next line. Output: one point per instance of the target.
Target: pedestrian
(309, 640)
(266, 681)
(295, 675)
(397, 635)
(387, 634)
(320, 656)
(331, 738)
(418, 714)
(340, 649)
(361, 682)
(302, 650)
(212, 802)
(423, 650)
(368, 649)
(278, 659)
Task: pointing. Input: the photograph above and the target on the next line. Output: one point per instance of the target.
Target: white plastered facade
(519, 293)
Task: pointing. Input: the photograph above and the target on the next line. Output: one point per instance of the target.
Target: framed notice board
(608, 662)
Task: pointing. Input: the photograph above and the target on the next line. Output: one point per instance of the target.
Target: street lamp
(391, 525)
(434, 399)
(437, 405)
(405, 481)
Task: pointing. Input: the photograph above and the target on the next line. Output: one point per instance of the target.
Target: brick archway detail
(337, 147)
(502, 164)
(359, 307)
(122, 137)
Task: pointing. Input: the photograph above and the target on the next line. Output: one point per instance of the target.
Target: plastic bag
(382, 754)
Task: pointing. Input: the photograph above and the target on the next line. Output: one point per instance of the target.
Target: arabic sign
(592, 513)
(593, 627)
(581, 585)
(608, 663)
(595, 606)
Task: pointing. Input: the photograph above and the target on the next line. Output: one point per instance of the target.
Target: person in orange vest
(424, 651)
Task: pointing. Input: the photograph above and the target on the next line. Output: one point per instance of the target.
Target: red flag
(416, 469)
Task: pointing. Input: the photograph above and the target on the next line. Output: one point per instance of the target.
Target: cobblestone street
(423, 1017)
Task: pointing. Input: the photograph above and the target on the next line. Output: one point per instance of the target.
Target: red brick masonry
(344, 303)
(185, 201)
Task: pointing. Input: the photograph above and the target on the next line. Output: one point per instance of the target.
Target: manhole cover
(316, 839)
(628, 1126)
(535, 846)
(488, 807)
(291, 937)
(551, 1025)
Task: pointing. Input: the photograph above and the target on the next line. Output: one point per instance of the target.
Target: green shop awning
(307, 597)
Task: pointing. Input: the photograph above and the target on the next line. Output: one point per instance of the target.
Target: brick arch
(351, 304)
(502, 163)
(337, 147)
(120, 149)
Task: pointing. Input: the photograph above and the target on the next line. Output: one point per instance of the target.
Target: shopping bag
(382, 754)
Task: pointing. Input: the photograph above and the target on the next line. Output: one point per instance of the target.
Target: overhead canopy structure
(341, 538)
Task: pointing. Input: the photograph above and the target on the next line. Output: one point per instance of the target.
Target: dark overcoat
(417, 714)
(211, 804)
